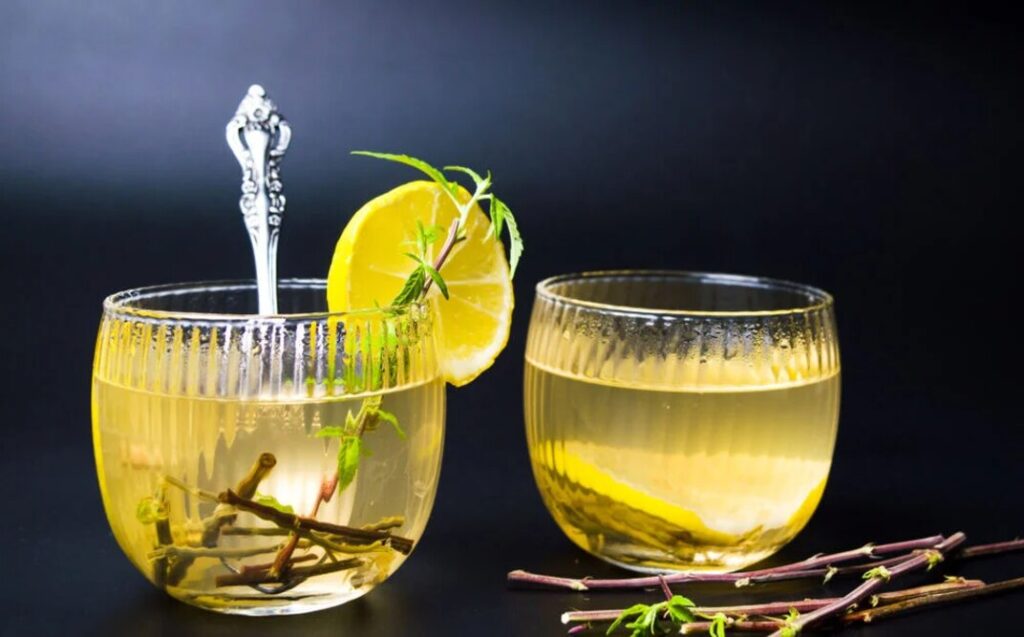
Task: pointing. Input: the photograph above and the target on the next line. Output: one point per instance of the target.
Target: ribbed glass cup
(264, 464)
(680, 420)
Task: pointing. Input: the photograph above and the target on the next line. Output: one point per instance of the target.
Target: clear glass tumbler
(264, 464)
(680, 420)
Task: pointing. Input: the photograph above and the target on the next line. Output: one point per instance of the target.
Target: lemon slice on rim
(370, 266)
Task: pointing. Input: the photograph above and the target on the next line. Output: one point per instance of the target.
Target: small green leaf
(421, 237)
(330, 432)
(412, 288)
(392, 420)
(515, 247)
(349, 454)
(879, 572)
(482, 183)
(271, 501)
(438, 280)
(718, 623)
(497, 213)
(679, 608)
(150, 510)
(830, 573)
(636, 609)
(934, 557)
(450, 187)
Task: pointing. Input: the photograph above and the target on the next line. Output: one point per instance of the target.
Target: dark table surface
(872, 152)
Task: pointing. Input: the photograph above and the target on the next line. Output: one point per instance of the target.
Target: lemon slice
(369, 268)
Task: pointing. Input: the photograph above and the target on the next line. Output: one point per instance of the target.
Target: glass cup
(680, 420)
(264, 465)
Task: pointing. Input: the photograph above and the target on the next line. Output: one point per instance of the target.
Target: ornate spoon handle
(258, 136)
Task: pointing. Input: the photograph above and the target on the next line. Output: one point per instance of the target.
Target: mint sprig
(351, 447)
(676, 610)
(499, 212)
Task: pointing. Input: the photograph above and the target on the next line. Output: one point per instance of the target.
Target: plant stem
(222, 516)
(742, 626)
(967, 592)
(264, 577)
(161, 571)
(891, 597)
(897, 608)
(781, 607)
(979, 550)
(810, 567)
(292, 521)
(442, 256)
(265, 566)
(858, 594)
(194, 553)
(746, 610)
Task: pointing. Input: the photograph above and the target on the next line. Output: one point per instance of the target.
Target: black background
(870, 152)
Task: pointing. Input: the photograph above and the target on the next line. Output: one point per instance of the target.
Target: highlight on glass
(256, 464)
(681, 420)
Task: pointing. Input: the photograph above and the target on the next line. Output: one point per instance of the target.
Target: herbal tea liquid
(142, 438)
(680, 478)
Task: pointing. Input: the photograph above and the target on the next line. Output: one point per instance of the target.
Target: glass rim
(818, 299)
(121, 303)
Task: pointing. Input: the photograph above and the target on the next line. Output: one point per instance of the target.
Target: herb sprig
(676, 610)
(501, 216)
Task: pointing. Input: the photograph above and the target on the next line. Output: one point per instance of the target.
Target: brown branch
(860, 593)
(212, 525)
(816, 566)
(265, 577)
(296, 522)
(891, 597)
(991, 549)
(265, 566)
(922, 601)
(776, 608)
(161, 571)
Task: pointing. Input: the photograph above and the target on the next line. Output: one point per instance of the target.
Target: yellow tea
(166, 463)
(708, 477)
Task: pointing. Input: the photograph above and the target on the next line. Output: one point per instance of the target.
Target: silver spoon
(258, 136)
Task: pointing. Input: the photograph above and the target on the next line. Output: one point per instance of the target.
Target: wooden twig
(264, 577)
(295, 522)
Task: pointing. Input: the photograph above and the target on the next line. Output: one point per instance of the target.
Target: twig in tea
(222, 516)
(264, 577)
(293, 521)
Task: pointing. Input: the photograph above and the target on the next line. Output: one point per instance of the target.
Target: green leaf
(497, 213)
(150, 510)
(718, 623)
(879, 572)
(450, 187)
(331, 432)
(412, 288)
(679, 609)
(515, 247)
(636, 609)
(934, 557)
(349, 454)
(482, 183)
(438, 280)
(790, 629)
(271, 501)
(392, 420)
(421, 237)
